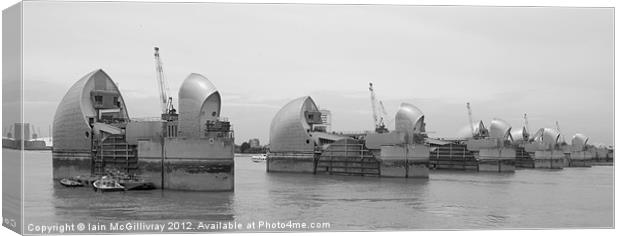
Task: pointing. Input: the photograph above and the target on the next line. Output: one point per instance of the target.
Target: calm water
(569, 198)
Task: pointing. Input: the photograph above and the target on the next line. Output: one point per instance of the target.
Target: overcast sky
(554, 63)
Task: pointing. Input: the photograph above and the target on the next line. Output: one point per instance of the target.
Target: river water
(528, 198)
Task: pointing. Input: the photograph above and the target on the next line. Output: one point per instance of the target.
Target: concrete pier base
(199, 175)
(451, 156)
(179, 174)
(70, 164)
(579, 163)
(454, 165)
(291, 162)
(189, 174)
(545, 156)
(418, 170)
(403, 169)
(496, 166)
(409, 161)
(392, 168)
(553, 159)
(548, 163)
(524, 163)
(579, 159)
(190, 164)
(501, 159)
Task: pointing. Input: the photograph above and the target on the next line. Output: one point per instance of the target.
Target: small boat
(259, 158)
(107, 185)
(71, 183)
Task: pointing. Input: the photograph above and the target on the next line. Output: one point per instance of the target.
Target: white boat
(259, 158)
(71, 183)
(106, 184)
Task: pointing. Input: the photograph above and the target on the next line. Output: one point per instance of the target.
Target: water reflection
(156, 205)
(573, 197)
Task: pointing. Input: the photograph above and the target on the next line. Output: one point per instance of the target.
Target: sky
(553, 63)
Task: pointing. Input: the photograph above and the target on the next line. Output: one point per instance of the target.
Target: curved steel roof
(290, 130)
(520, 134)
(579, 140)
(409, 119)
(478, 127)
(499, 129)
(194, 92)
(547, 136)
(71, 117)
(199, 101)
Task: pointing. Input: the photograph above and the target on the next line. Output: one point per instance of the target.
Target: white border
(566, 3)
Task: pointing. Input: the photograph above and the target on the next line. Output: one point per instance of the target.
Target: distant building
(23, 138)
(19, 127)
(254, 143)
(326, 121)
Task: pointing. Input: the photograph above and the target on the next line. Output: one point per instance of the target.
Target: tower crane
(167, 109)
(378, 111)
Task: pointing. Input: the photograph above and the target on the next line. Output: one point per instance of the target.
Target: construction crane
(471, 121)
(378, 111)
(526, 134)
(387, 120)
(167, 109)
(557, 127)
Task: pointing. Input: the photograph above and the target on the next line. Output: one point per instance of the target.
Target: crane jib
(162, 83)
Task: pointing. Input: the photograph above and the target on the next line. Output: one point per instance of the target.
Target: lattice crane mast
(378, 111)
(167, 109)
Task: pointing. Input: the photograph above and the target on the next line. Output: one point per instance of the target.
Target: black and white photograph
(123, 117)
